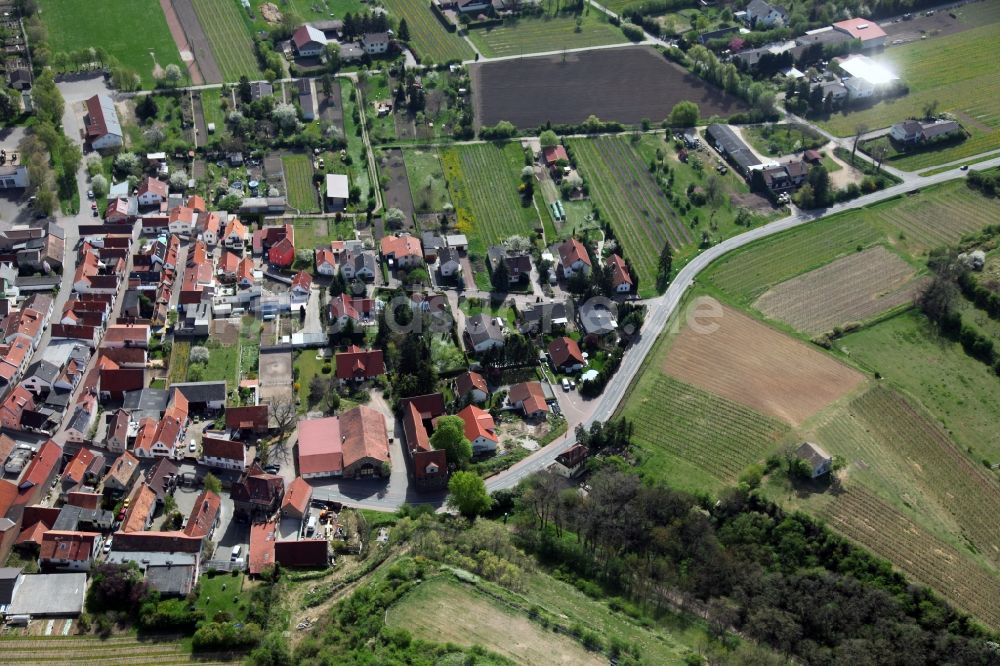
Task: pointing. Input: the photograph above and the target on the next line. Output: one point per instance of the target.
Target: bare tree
(859, 129)
(284, 411)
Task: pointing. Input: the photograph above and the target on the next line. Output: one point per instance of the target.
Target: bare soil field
(851, 289)
(331, 108)
(747, 362)
(397, 190)
(625, 85)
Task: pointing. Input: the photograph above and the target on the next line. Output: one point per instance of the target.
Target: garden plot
(854, 288)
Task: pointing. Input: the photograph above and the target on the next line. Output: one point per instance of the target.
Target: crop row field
(630, 201)
(874, 524)
(958, 73)
(854, 288)
(483, 181)
(91, 650)
(134, 32)
(696, 439)
(428, 37)
(299, 183)
(522, 36)
(743, 360)
(229, 35)
(914, 223)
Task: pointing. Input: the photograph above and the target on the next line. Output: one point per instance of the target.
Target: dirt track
(626, 85)
(181, 41)
(182, 13)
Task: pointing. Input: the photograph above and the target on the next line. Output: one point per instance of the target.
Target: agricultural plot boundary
(854, 288)
(430, 39)
(631, 201)
(863, 517)
(229, 38)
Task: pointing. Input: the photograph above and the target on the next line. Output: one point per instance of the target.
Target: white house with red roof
(308, 41)
(152, 192)
(480, 429)
(621, 279)
(101, 123)
(573, 258)
(357, 364)
(301, 284)
(344, 308)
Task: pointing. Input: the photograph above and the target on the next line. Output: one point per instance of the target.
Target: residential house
(41, 376)
(529, 398)
(573, 258)
(83, 420)
(235, 234)
(309, 42)
(518, 265)
(101, 124)
(344, 308)
(358, 264)
(357, 365)
(471, 386)
(555, 156)
(596, 318)
(202, 396)
(69, 551)
(819, 461)
(85, 468)
(483, 332)
(326, 261)
(223, 454)
(354, 444)
(914, 131)
(122, 474)
(402, 251)
(122, 210)
(480, 429)
(247, 420)
(209, 226)
(297, 498)
(301, 285)
(565, 355)
(227, 265)
(570, 462)
(205, 515)
(126, 335)
(621, 278)
(430, 466)
(449, 263)
(18, 401)
(282, 253)
(181, 220)
(375, 43)
(257, 495)
(761, 15)
(161, 438)
(337, 191)
(141, 507)
(258, 91)
(432, 243)
(151, 192)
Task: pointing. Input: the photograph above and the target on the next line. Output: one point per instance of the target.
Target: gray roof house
(819, 461)
(543, 317)
(482, 332)
(203, 395)
(597, 318)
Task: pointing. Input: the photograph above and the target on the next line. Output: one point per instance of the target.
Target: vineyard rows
(483, 185)
(944, 473)
(631, 201)
(230, 40)
(889, 534)
(717, 435)
(749, 273)
(83, 651)
(551, 33)
(939, 217)
(851, 289)
(429, 38)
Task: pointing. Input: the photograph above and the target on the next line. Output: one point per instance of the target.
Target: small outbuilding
(819, 461)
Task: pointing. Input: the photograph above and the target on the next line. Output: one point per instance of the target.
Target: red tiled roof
(195, 202)
(66, 545)
(125, 467)
(357, 362)
(162, 542)
(203, 514)
(153, 186)
(531, 395)
(859, 28)
(320, 448)
(246, 417)
(13, 406)
(33, 533)
(564, 351)
(297, 495)
(571, 250)
(84, 500)
(619, 272)
(140, 509)
(76, 468)
(127, 333)
(229, 449)
(364, 435)
(401, 246)
(302, 280)
(352, 308)
(478, 423)
(42, 466)
(466, 382)
(262, 538)
(553, 154)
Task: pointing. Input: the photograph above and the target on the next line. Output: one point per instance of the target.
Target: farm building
(354, 444)
(731, 147)
(867, 32)
(308, 41)
(762, 15)
(915, 131)
(866, 78)
(819, 461)
(337, 191)
(307, 100)
(104, 131)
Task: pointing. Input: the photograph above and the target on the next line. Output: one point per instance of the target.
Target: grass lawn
(961, 392)
(212, 598)
(380, 128)
(958, 73)
(127, 29)
(474, 306)
(427, 184)
(308, 366)
(483, 182)
(548, 33)
(428, 36)
(312, 233)
(223, 364)
(179, 355)
(831, 164)
(358, 169)
(299, 182)
(211, 104)
(430, 610)
(785, 139)
(227, 27)
(311, 10)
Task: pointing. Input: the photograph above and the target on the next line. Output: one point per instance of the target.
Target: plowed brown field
(757, 366)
